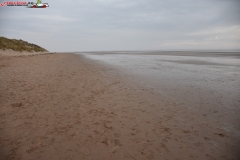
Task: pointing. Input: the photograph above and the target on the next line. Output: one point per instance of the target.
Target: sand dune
(9, 52)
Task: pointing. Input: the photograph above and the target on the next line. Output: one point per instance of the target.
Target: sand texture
(67, 107)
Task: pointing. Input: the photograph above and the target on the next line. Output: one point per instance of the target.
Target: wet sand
(64, 106)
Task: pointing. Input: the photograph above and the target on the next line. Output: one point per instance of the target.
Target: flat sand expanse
(64, 106)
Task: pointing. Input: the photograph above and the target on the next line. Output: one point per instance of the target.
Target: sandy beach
(66, 106)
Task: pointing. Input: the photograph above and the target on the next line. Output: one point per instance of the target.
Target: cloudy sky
(107, 25)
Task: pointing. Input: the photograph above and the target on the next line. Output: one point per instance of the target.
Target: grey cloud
(126, 25)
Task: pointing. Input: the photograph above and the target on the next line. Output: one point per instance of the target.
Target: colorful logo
(39, 4)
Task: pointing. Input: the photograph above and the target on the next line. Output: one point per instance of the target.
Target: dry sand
(63, 106)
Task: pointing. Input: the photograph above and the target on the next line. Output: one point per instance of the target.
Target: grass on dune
(19, 45)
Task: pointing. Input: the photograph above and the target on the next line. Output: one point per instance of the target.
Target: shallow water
(200, 80)
(215, 72)
(220, 73)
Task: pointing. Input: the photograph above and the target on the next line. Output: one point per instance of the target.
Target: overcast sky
(107, 25)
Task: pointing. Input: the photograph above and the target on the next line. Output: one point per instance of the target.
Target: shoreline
(65, 106)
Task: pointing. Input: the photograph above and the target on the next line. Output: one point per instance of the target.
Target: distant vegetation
(19, 45)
